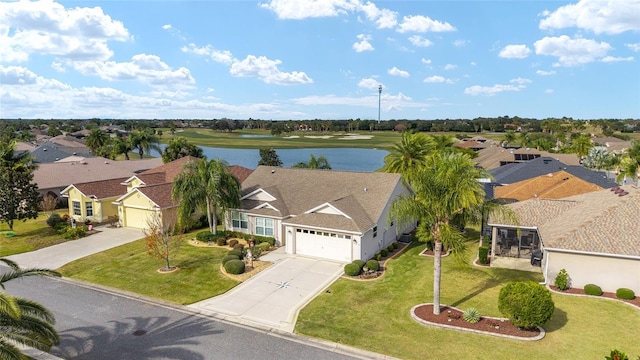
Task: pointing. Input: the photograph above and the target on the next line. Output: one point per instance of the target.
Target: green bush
(262, 239)
(390, 248)
(526, 304)
(221, 241)
(625, 294)
(471, 315)
(205, 236)
(373, 265)
(235, 252)
(61, 227)
(352, 269)
(234, 267)
(384, 252)
(228, 258)
(359, 262)
(54, 219)
(395, 244)
(377, 256)
(483, 254)
(562, 280)
(74, 233)
(592, 289)
(238, 247)
(232, 242)
(617, 355)
(265, 246)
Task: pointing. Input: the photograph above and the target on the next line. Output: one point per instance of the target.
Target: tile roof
(551, 186)
(103, 189)
(598, 222)
(495, 156)
(360, 195)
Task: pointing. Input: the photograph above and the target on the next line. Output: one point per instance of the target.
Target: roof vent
(365, 189)
(273, 171)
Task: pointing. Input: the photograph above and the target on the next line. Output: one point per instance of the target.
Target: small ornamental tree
(269, 157)
(160, 243)
(526, 304)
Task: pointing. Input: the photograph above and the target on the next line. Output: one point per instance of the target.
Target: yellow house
(94, 200)
(140, 207)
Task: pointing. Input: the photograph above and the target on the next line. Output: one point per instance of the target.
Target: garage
(323, 245)
(136, 218)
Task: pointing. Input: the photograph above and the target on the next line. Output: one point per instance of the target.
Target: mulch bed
(610, 295)
(451, 316)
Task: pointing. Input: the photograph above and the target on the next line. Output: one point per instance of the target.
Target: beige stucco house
(328, 214)
(93, 200)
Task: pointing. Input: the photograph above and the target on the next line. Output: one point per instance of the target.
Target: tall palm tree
(445, 187)
(96, 139)
(144, 141)
(442, 142)
(22, 321)
(581, 145)
(207, 185)
(410, 154)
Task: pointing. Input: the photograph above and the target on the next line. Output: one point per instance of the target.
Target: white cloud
(397, 72)
(220, 56)
(47, 28)
(450, 67)
(363, 44)
(369, 83)
(545, 73)
(267, 70)
(166, 27)
(58, 66)
(571, 52)
(520, 81)
(421, 24)
(383, 18)
(438, 79)
(419, 41)
(610, 59)
(635, 47)
(302, 9)
(461, 43)
(609, 17)
(425, 61)
(489, 90)
(390, 101)
(548, 91)
(514, 52)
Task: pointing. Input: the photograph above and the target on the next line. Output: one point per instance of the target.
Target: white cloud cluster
(437, 79)
(397, 72)
(422, 24)
(302, 9)
(363, 44)
(571, 52)
(520, 83)
(611, 59)
(419, 41)
(635, 47)
(599, 16)
(450, 67)
(369, 83)
(545, 73)
(383, 18)
(514, 52)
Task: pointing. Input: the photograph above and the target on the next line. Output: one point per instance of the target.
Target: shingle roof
(240, 172)
(494, 156)
(49, 152)
(551, 186)
(159, 194)
(612, 144)
(103, 189)
(360, 195)
(598, 222)
(169, 170)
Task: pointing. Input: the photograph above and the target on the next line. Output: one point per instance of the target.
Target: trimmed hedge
(373, 265)
(592, 289)
(359, 262)
(238, 247)
(232, 243)
(526, 304)
(352, 269)
(384, 252)
(234, 267)
(483, 254)
(264, 246)
(206, 236)
(377, 256)
(625, 294)
(229, 258)
(562, 280)
(395, 244)
(54, 219)
(221, 241)
(235, 252)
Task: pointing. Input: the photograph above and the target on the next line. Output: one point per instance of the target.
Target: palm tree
(581, 145)
(445, 187)
(97, 139)
(442, 142)
(207, 185)
(630, 163)
(509, 137)
(179, 147)
(117, 146)
(320, 162)
(144, 141)
(410, 154)
(22, 321)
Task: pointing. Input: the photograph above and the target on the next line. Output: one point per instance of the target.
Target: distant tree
(19, 197)
(320, 162)
(409, 154)
(96, 139)
(160, 242)
(53, 131)
(599, 158)
(269, 157)
(117, 146)
(172, 128)
(144, 141)
(179, 147)
(581, 145)
(630, 163)
(509, 137)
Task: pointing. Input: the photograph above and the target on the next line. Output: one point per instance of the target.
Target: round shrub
(204, 236)
(526, 304)
(238, 247)
(395, 244)
(232, 242)
(483, 253)
(384, 252)
(625, 294)
(377, 256)
(390, 248)
(234, 267)
(562, 280)
(235, 252)
(54, 219)
(592, 289)
(264, 246)
(359, 262)
(352, 269)
(221, 242)
(373, 265)
(229, 258)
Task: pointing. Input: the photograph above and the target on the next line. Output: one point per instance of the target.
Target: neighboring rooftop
(612, 144)
(551, 186)
(495, 156)
(102, 189)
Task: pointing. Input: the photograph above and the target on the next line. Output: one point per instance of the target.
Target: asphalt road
(96, 325)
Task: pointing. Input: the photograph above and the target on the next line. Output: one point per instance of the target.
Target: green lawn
(128, 267)
(375, 316)
(31, 235)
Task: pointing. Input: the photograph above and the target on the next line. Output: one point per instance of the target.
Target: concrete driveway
(274, 297)
(55, 256)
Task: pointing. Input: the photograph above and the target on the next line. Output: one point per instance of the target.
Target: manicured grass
(31, 235)
(375, 315)
(129, 267)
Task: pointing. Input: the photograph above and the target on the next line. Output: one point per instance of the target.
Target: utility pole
(379, 95)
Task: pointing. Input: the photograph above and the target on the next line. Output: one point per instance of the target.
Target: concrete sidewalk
(274, 297)
(55, 256)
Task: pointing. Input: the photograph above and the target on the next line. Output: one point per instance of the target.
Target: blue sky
(304, 59)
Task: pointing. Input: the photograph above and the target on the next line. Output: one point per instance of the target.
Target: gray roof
(361, 196)
(49, 152)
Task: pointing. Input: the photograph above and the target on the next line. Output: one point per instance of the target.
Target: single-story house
(555, 185)
(338, 215)
(93, 200)
(594, 236)
(494, 156)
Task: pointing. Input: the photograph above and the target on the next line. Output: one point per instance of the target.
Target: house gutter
(579, 252)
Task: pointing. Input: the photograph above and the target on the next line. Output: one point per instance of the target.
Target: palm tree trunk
(437, 270)
(214, 218)
(211, 228)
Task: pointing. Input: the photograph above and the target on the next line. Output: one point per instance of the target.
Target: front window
(77, 210)
(239, 220)
(264, 227)
(89, 206)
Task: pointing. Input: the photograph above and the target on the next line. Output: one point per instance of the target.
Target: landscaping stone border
(401, 248)
(592, 296)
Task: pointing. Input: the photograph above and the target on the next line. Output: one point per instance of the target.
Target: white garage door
(136, 218)
(325, 247)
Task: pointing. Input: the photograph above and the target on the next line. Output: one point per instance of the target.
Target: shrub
(233, 242)
(359, 262)
(616, 355)
(430, 245)
(377, 256)
(238, 247)
(373, 265)
(395, 244)
(592, 289)
(235, 252)
(61, 227)
(54, 219)
(66, 217)
(261, 239)
(74, 233)
(221, 241)
(384, 252)
(390, 248)
(626, 294)
(526, 304)
(471, 315)
(562, 280)
(265, 246)
(483, 254)
(352, 269)
(205, 236)
(228, 258)
(234, 267)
